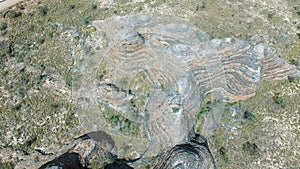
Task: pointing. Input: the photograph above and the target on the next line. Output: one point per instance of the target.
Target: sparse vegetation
(175, 110)
(262, 123)
(279, 100)
(12, 14)
(42, 10)
(71, 6)
(118, 122)
(3, 25)
(248, 115)
(7, 165)
(250, 148)
(223, 153)
(93, 6)
(203, 111)
(293, 52)
(49, 35)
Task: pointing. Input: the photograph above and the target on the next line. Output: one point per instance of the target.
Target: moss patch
(119, 122)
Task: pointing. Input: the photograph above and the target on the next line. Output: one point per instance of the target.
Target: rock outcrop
(144, 84)
(157, 73)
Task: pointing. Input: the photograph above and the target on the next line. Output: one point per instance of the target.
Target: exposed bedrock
(154, 75)
(89, 150)
(93, 150)
(193, 154)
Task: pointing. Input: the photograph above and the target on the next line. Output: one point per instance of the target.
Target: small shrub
(40, 41)
(204, 110)
(86, 20)
(93, 6)
(248, 115)
(3, 25)
(271, 15)
(20, 6)
(279, 100)
(69, 79)
(294, 62)
(7, 165)
(223, 153)
(12, 14)
(49, 35)
(71, 6)
(77, 38)
(42, 10)
(175, 109)
(251, 148)
(201, 7)
(291, 79)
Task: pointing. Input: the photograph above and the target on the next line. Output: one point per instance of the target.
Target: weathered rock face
(88, 151)
(67, 160)
(193, 154)
(148, 77)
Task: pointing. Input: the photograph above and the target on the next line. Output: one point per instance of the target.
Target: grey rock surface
(155, 75)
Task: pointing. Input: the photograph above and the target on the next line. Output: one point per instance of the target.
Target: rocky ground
(38, 44)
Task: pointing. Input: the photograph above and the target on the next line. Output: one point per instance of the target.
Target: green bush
(3, 25)
(85, 20)
(7, 165)
(251, 148)
(42, 10)
(93, 6)
(279, 100)
(223, 152)
(71, 6)
(49, 35)
(40, 41)
(12, 14)
(69, 79)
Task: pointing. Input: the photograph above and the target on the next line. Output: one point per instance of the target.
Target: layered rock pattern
(192, 154)
(156, 76)
(95, 147)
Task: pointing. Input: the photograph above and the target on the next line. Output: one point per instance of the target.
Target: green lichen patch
(118, 122)
(138, 104)
(140, 85)
(100, 72)
(205, 109)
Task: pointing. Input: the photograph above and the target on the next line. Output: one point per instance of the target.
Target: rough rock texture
(158, 73)
(193, 154)
(90, 152)
(40, 41)
(83, 151)
(148, 79)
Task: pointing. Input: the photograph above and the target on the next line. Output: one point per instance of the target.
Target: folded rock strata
(156, 76)
(192, 154)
